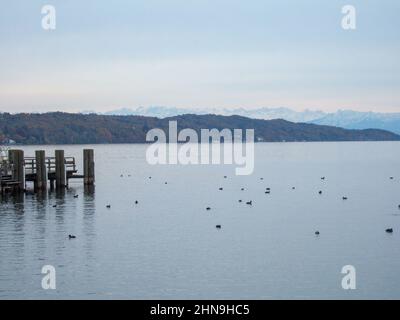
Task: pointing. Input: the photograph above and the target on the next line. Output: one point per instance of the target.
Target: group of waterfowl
(250, 203)
(268, 191)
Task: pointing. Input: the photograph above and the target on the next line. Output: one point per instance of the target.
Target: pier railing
(31, 166)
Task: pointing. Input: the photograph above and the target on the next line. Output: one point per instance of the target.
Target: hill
(347, 119)
(69, 128)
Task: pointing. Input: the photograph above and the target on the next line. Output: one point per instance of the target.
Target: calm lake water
(167, 246)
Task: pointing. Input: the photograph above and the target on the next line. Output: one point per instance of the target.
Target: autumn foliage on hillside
(69, 128)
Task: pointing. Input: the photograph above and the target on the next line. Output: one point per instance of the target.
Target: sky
(106, 55)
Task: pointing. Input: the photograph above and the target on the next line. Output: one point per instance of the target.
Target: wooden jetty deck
(55, 171)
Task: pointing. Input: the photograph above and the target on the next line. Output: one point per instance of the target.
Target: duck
(344, 198)
(71, 236)
(55, 206)
(218, 226)
(250, 203)
(76, 196)
(240, 201)
(317, 233)
(322, 178)
(108, 206)
(320, 192)
(225, 177)
(293, 188)
(242, 189)
(390, 230)
(208, 208)
(136, 202)
(220, 189)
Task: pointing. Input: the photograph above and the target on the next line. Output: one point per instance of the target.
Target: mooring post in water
(41, 175)
(60, 169)
(16, 158)
(11, 160)
(88, 167)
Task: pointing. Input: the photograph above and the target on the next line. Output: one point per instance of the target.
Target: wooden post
(16, 158)
(21, 170)
(11, 160)
(41, 175)
(60, 169)
(12, 157)
(88, 167)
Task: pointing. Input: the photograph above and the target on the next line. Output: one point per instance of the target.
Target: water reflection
(34, 230)
(166, 245)
(88, 223)
(12, 238)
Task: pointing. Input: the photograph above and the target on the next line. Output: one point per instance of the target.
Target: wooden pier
(44, 172)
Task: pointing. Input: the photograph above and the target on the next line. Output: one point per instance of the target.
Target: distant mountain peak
(255, 113)
(345, 118)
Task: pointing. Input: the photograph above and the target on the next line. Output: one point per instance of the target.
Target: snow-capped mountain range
(343, 118)
(260, 113)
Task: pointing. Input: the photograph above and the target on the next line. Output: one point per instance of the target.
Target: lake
(168, 247)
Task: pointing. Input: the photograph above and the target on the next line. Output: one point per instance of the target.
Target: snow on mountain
(361, 120)
(259, 113)
(343, 118)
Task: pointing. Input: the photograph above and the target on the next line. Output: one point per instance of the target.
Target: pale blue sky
(199, 53)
